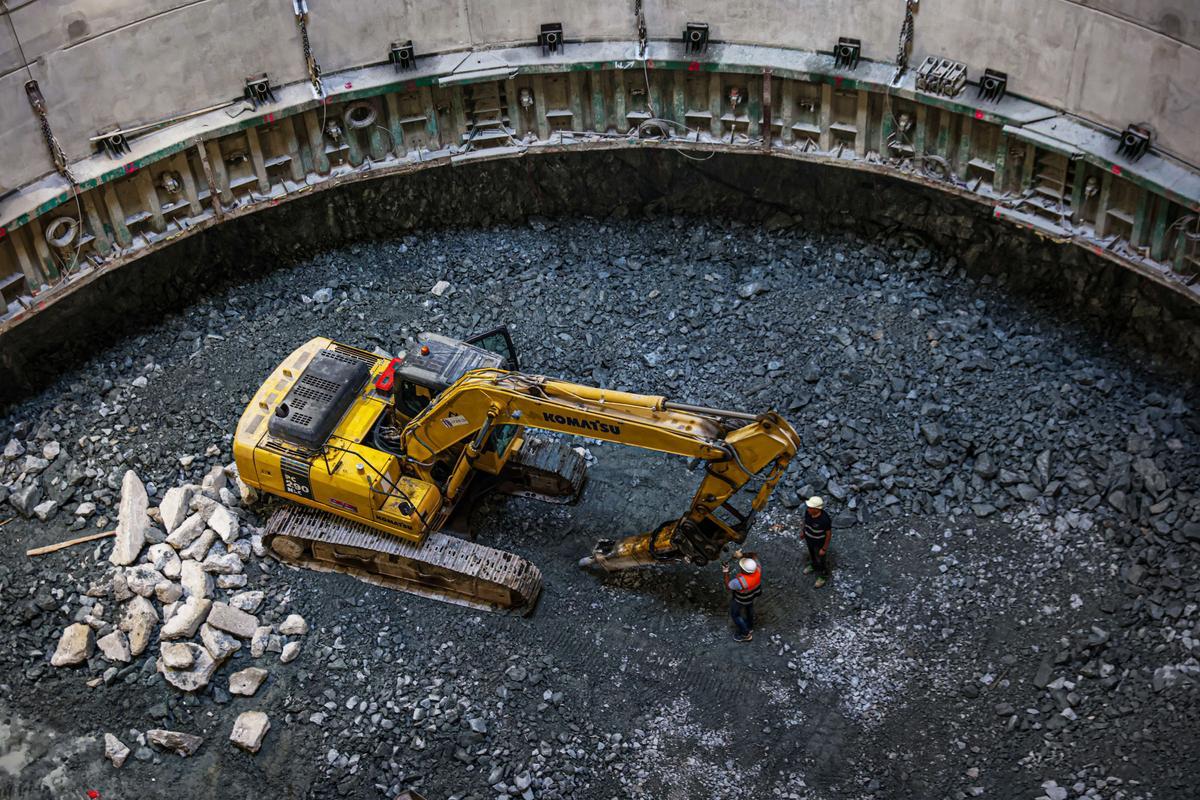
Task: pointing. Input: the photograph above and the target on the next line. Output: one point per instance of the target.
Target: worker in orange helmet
(744, 587)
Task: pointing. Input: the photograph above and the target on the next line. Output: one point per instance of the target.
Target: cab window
(411, 400)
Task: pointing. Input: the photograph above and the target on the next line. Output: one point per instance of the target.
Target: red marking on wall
(3, 232)
(837, 81)
(1098, 251)
(1116, 170)
(650, 64)
(269, 118)
(130, 169)
(349, 85)
(694, 66)
(412, 86)
(978, 114)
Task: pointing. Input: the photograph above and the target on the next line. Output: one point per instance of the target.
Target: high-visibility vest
(753, 581)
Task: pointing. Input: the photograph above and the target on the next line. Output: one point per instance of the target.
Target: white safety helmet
(748, 565)
(815, 502)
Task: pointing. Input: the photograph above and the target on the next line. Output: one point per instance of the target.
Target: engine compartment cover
(318, 400)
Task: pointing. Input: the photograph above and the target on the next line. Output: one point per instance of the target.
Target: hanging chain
(906, 40)
(314, 69)
(56, 152)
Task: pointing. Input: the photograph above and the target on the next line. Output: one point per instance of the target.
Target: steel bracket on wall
(258, 90)
(695, 37)
(847, 52)
(402, 55)
(551, 37)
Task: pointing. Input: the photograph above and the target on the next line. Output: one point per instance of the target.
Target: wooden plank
(395, 127)
(1141, 218)
(214, 198)
(101, 242)
(33, 274)
(539, 108)
(53, 548)
(787, 106)
(825, 117)
(316, 142)
(860, 122)
(575, 100)
(216, 161)
(1080, 183)
(44, 256)
(257, 159)
(184, 168)
(599, 79)
(1101, 223)
(1158, 236)
(513, 104)
(431, 122)
(291, 143)
(620, 97)
(963, 150)
(918, 139)
(715, 100)
(116, 215)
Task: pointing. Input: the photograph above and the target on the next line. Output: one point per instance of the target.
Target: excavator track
(443, 567)
(545, 470)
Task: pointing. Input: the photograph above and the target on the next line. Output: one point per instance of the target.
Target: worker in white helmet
(818, 532)
(744, 588)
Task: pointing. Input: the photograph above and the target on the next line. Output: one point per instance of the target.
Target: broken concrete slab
(139, 621)
(294, 625)
(225, 523)
(187, 619)
(227, 618)
(132, 521)
(115, 646)
(115, 750)
(195, 581)
(185, 744)
(249, 729)
(196, 676)
(186, 532)
(246, 682)
(220, 645)
(75, 646)
(175, 507)
(177, 655)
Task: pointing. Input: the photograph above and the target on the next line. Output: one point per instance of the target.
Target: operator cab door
(498, 341)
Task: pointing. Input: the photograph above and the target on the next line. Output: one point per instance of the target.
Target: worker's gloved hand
(737, 553)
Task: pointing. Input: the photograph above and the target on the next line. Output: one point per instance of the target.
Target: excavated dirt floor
(1013, 612)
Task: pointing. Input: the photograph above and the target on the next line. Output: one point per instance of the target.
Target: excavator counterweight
(382, 457)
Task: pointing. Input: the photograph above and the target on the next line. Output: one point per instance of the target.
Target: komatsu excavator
(380, 457)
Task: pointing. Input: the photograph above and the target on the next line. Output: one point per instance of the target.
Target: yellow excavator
(380, 457)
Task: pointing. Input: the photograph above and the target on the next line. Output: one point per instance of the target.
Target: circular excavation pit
(1006, 439)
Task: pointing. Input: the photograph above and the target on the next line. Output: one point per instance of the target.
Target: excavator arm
(733, 447)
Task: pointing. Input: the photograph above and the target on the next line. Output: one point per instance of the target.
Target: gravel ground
(1017, 537)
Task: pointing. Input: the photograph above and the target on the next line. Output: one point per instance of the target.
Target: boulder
(227, 618)
(132, 521)
(225, 523)
(185, 744)
(168, 592)
(260, 639)
(199, 548)
(115, 750)
(290, 651)
(142, 579)
(186, 532)
(138, 622)
(175, 507)
(294, 625)
(246, 682)
(227, 564)
(45, 510)
(187, 619)
(177, 655)
(26, 498)
(115, 646)
(247, 601)
(195, 677)
(196, 582)
(249, 729)
(220, 645)
(75, 646)
(164, 559)
(13, 450)
(215, 480)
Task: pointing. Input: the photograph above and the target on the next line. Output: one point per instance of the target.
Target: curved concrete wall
(107, 62)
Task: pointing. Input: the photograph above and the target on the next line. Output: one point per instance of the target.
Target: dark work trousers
(820, 562)
(743, 616)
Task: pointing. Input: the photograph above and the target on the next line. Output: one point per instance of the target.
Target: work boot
(821, 581)
(808, 568)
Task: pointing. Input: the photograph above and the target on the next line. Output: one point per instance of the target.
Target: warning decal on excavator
(295, 477)
(454, 420)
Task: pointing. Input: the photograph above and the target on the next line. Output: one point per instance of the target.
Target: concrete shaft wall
(103, 63)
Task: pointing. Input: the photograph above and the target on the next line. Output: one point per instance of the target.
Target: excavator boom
(382, 457)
